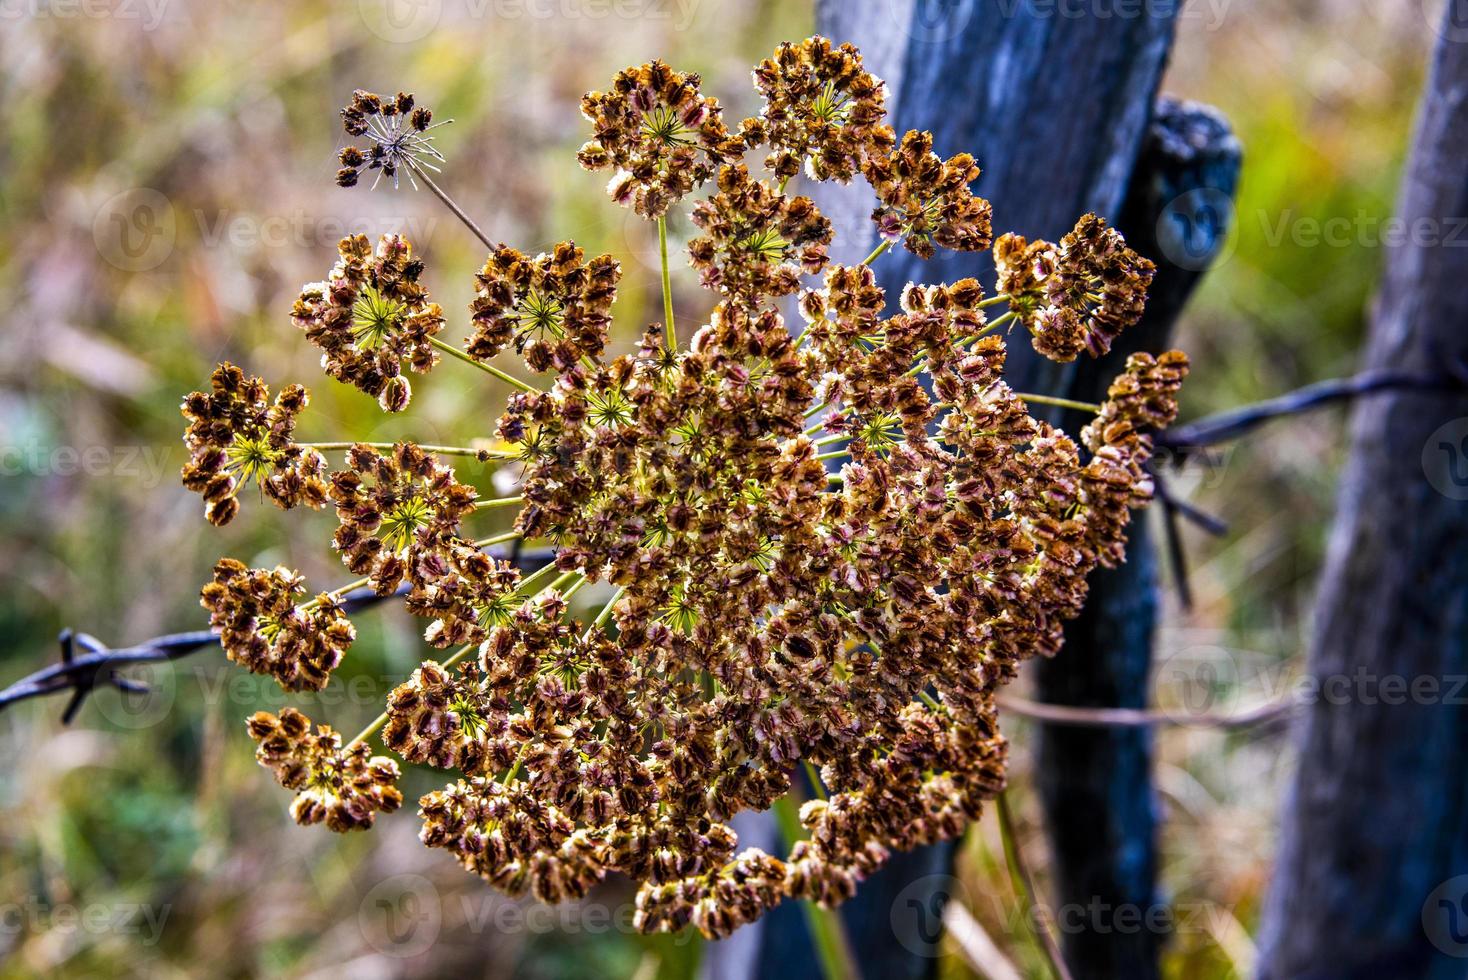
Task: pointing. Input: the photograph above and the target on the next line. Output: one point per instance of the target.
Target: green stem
(837, 454)
(328, 447)
(826, 929)
(535, 577)
(994, 301)
(999, 321)
(814, 775)
(1091, 407)
(499, 502)
(606, 612)
(670, 331)
(489, 369)
(876, 253)
(1020, 873)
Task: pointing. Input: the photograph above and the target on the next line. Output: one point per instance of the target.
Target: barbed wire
(98, 665)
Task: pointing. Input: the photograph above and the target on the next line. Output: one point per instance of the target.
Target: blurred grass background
(149, 813)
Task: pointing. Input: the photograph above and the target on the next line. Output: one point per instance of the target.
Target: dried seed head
(822, 110)
(398, 140)
(659, 134)
(237, 436)
(555, 309)
(265, 628)
(343, 788)
(370, 317)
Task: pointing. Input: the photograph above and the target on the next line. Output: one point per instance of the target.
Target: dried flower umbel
(824, 548)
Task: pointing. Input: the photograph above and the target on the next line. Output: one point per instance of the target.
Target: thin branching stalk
(1025, 886)
(490, 369)
(670, 331)
(449, 203)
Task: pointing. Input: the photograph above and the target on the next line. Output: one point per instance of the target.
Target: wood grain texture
(1377, 817)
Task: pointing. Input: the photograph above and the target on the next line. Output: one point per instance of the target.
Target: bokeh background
(166, 186)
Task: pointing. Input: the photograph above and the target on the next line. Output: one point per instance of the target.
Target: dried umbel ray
(827, 544)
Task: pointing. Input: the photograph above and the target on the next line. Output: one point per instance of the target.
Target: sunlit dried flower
(236, 436)
(757, 242)
(395, 510)
(554, 308)
(397, 138)
(926, 200)
(821, 108)
(661, 136)
(265, 628)
(343, 788)
(1141, 400)
(443, 721)
(759, 608)
(1078, 295)
(370, 317)
(465, 593)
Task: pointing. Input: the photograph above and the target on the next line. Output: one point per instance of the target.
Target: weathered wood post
(1371, 879)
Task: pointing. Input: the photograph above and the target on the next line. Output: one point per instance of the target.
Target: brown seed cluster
(660, 135)
(822, 110)
(398, 513)
(925, 201)
(828, 552)
(756, 242)
(265, 628)
(370, 317)
(555, 309)
(1076, 296)
(343, 788)
(236, 436)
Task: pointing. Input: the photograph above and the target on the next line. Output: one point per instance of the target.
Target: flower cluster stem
(490, 369)
(877, 253)
(328, 447)
(670, 330)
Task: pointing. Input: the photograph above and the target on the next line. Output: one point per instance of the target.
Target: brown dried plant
(826, 547)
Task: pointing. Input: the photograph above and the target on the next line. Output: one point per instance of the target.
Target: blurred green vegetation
(228, 111)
